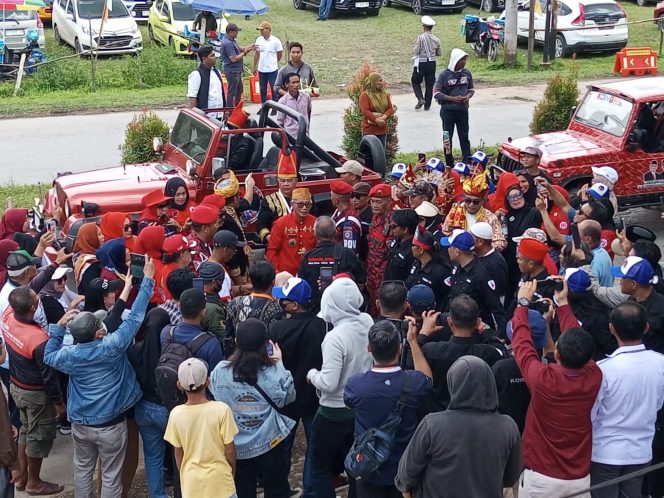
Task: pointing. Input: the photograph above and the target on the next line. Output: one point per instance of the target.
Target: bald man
(591, 233)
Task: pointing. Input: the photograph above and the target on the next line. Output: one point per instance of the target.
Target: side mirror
(571, 112)
(157, 144)
(191, 168)
(163, 18)
(218, 164)
(70, 17)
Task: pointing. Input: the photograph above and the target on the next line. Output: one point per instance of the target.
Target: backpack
(372, 448)
(166, 372)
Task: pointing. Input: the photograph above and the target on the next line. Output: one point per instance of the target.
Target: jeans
(601, 472)
(307, 480)
(151, 419)
(458, 119)
(264, 79)
(324, 9)
(273, 467)
(426, 71)
(366, 490)
(234, 88)
(330, 441)
(6, 486)
(109, 445)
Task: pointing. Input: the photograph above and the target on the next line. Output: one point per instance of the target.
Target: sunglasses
(357, 196)
(126, 228)
(473, 201)
(303, 204)
(515, 197)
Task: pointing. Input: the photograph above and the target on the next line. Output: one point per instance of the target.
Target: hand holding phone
(576, 236)
(137, 266)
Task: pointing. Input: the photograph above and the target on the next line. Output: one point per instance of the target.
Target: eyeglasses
(473, 201)
(357, 196)
(515, 197)
(126, 228)
(302, 204)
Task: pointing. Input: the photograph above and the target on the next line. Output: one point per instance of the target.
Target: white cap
(192, 374)
(428, 21)
(607, 172)
(398, 170)
(351, 166)
(598, 190)
(60, 272)
(426, 209)
(482, 230)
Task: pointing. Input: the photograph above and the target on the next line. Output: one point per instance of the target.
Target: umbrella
(22, 4)
(240, 7)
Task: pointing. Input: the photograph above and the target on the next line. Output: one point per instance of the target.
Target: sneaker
(427, 108)
(295, 493)
(340, 483)
(420, 103)
(65, 430)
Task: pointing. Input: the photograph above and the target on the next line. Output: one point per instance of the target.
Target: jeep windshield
(191, 137)
(605, 112)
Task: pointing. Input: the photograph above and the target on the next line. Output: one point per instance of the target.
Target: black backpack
(172, 354)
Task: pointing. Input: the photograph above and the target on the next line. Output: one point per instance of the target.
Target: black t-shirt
(513, 393)
(399, 260)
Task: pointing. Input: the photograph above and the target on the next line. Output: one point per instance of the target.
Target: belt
(426, 59)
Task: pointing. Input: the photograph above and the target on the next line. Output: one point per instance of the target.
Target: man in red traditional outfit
(346, 219)
(380, 234)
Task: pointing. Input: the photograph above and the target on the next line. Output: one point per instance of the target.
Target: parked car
(659, 15)
(196, 150)
(46, 12)
(421, 6)
(72, 20)
(166, 24)
(139, 9)
(488, 5)
(370, 7)
(14, 24)
(617, 124)
(607, 17)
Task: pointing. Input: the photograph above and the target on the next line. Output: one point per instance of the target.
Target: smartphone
(269, 348)
(325, 276)
(136, 265)
(58, 233)
(421, 157)
(51, 225)
(576, 237)
(198, 283)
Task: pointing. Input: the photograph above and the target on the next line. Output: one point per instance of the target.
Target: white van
(73, 19)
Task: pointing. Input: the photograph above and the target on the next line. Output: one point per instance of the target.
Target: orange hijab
(87, 240)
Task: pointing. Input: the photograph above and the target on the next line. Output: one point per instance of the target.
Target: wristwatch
(523, 301)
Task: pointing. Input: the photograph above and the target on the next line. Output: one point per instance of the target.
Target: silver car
(14, 25)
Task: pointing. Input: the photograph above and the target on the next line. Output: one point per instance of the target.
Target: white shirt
(625, 411)
(215, 91)
(268, 49)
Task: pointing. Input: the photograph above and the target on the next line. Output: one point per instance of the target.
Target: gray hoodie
(469, 450)
(344, 347)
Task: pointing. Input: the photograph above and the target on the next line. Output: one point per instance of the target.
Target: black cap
(226, 238)
(103, 285)
(210, 271)
(232, 27)
(251, 334)
(84, 326)
(638, 232)
(18, 261)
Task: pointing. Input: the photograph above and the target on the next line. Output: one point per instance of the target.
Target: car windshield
(92, 9)
(182, 12)
(605, 112)
(17, 15)
(191, 137)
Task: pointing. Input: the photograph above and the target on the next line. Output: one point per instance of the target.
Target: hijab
(497, 200)
(150, 241)
(111, 224)
(172, 186)
(12, 222)
(380, 99)
(112, 255)
(6, 246)
(518, 220)
(87, 240)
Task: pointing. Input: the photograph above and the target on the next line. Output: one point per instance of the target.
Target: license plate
(13, 32)
(359, 5)
(606, 27)
(447, 2)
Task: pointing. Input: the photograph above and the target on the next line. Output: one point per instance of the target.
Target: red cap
(380, 190)
(155, 198)
(533, 249)
(177, 243)
(214, 200)
(341, 187)
(238, 118)
(204, 214)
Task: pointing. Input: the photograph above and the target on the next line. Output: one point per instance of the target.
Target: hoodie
(453, 84)
(467, 450)
(345, 347)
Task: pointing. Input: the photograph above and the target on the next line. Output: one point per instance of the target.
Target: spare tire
(372, 154)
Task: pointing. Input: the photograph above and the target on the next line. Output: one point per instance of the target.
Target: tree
(552, 113)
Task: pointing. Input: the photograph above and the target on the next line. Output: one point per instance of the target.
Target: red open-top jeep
(196, 148)
(616, 124)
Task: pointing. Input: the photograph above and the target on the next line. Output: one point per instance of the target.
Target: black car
(489, 5)
(370, 7)
(421, 6)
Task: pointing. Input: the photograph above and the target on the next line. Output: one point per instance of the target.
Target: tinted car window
(563, 9)
(603, 9)
(182, 12)
(92, 9)
(18, 15)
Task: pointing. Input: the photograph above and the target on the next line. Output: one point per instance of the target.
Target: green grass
(335, 48)
(22, 196)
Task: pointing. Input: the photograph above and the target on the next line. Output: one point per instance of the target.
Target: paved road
(37, 148)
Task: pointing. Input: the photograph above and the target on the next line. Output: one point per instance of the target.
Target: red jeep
(617, 124)
(197, 147)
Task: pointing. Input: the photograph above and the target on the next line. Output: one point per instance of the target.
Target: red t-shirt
(608, 236)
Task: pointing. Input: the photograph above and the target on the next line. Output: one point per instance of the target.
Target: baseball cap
(532, 151)
(264, 25)
(531, 233)
(362, 188)
(537, 328)
(18, 261)
(424, 239)
(84, 325)
(637, 269)
(204, 214)
(192, 374)
(226, 238)
(607, 172)
(480, 157)
(210, 271)
(482, 230)
(427, 21)
(459, 239)
(251, 334)
(598, 190)
(177, 243)
(294, 289)
(340, 187)
(421, 298)
(105, 286)
(398, 170)
(435, 164)
(426, 210)
(60, 272)
(351, 166)
(533, 249)
(577, 279)
(638, 232)
(380, 190)
(462, 169)
(232, 27)
(420, 188)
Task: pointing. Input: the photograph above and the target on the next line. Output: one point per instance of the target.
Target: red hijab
(111, 224)
(497, 200)
(12, 222)
(6, 246)
(87, 240)
(150, 241)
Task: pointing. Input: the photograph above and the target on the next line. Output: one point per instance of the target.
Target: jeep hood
(559, 145)
(118, 188)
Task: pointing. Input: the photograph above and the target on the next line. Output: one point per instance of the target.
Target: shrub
(353, 118)
(137, 147)
(552, 112)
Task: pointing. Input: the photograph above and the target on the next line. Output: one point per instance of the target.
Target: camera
(539, 306)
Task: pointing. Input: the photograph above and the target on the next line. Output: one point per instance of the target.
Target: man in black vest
(205, 89)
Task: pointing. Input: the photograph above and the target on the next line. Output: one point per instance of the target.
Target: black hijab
(172, 186)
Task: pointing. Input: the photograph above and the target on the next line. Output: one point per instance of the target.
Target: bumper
(352, 5)
(437, 6)
(140, 11)
(181, 45)
(117, 47)
(611, 46)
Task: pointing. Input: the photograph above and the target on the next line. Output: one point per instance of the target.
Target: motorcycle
(485, 36)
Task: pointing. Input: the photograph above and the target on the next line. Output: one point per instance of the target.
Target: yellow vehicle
(166, 24)
(46, 12)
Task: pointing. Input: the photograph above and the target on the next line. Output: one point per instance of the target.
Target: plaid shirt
(173, 309)
(200, 253)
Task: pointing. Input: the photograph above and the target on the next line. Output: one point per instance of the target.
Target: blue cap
(460, 239)
(637, 269)
(421, 297)
(462, 168)
(577, 279)
(537, 328)
(295, 289)
(435, 164)
(599, 191)
(480, 157)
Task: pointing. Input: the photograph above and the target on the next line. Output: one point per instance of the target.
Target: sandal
(49, 488)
